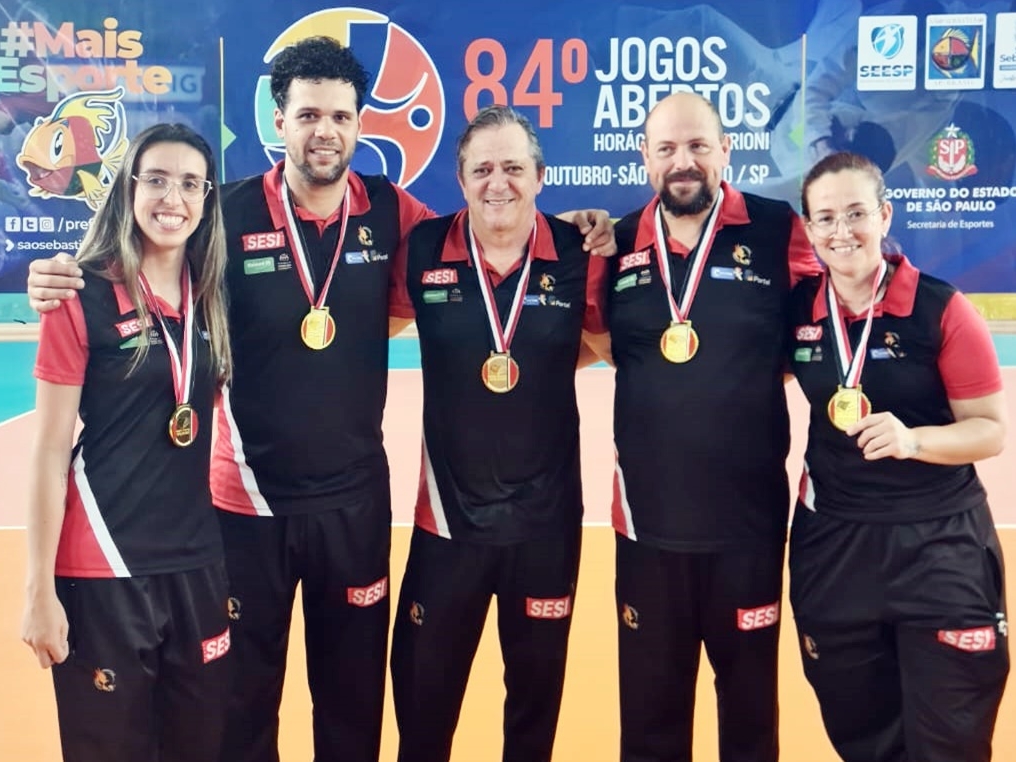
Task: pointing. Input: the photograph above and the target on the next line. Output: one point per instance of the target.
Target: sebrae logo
(403, 117)
(75, 151)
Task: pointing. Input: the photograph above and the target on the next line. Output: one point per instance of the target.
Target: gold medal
(183, 425)
(500, 372)
(847, 406)
(318, 328)
(679, 342)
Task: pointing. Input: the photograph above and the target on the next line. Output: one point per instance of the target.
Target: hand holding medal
(883, 435)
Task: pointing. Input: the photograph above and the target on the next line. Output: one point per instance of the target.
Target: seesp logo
(404, 112)
(887, 53)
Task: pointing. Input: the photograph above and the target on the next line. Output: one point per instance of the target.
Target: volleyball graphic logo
(404, 112)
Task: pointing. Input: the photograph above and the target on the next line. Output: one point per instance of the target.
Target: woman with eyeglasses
(126, 593)
(895, 567)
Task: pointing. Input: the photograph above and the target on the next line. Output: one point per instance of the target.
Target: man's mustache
(684, 175)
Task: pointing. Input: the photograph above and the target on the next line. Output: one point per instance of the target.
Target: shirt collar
(359, 203)
(455, 249)
(899, 295)
(125, 305)
(733, 211)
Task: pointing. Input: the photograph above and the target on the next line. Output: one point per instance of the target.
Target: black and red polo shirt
(136, 503)
(500, 468)
(300, 429)
(927, 345)
(701, 445)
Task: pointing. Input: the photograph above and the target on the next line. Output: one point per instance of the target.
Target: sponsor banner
(925, 94)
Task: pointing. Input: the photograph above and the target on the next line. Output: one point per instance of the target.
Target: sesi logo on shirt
(132, 326)
(548, 608)
(635, 259)
(440, 277)
(274, 239)
(972, 640)
(215, 648)
(369, 595)
(756, 619)
(808, 333)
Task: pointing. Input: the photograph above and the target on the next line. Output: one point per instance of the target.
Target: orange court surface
(588, 730)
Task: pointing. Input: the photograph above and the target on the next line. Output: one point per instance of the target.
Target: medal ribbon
(181, 363)
(850, 361)
(296, 238)
(679, 312)
(502, 335)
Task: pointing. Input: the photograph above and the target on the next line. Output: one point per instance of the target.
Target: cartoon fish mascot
(75, 151)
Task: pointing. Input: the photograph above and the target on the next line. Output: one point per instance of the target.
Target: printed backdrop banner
(928, 94)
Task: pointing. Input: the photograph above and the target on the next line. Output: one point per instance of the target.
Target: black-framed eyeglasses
(192, 189)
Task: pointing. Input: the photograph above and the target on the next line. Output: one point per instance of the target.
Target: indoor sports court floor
(588, 729)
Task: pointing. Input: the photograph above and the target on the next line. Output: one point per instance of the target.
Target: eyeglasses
(827, 224)
(192, 189)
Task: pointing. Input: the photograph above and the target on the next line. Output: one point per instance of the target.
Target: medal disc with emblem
(318, 328)
(679, 342)
(847, 406)
(183, 425)
(500, 372)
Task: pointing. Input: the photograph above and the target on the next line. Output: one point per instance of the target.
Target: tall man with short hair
(696, 303)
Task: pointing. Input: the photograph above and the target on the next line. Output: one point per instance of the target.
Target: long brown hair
(112, 246)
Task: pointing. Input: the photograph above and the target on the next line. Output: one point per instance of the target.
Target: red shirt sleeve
(411, 212)
(63, 345)
(967, 361)
(595, 319)
(800, 254)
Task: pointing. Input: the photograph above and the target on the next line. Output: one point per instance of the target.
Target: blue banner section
(924, 88)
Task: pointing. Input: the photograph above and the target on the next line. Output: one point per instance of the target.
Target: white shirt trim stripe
(807, 489)
(95, 520)
(629, 524)
(247, 478)
(436, 506)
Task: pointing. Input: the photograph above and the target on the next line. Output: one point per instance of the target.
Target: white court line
(16, 418)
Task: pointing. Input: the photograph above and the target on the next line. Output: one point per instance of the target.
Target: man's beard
(330, 178)
(696, 204)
